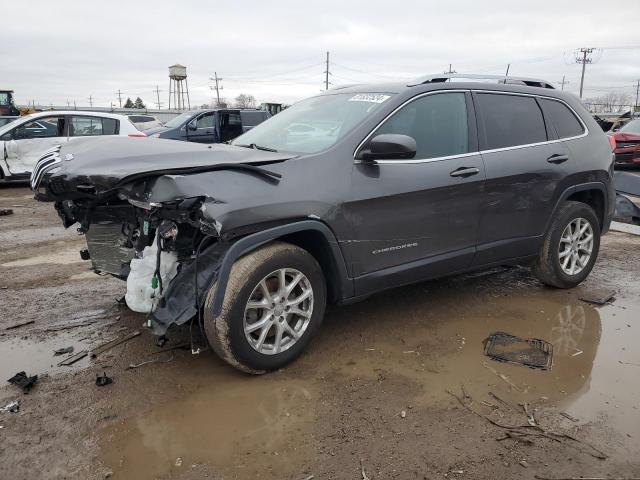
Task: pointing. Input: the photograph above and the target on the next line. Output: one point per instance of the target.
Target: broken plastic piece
(23, 381)
(6, 211)
(103, 380)
(11, 407)
(530, 352)
(62, 351)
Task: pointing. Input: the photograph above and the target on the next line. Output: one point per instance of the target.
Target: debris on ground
(23, 381)
(162, 341)
(137, 365)
(569, 417)
(11, 407)
(364, 475)
(113, 343)
(528, 430)
(18, 325)
(529, 352)
(6, 211)
(179, 462)
(103, 380)
(62, 351)
(598, 297)
(73, 359)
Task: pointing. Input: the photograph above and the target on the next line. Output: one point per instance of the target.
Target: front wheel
(273, 304)
(570, 246)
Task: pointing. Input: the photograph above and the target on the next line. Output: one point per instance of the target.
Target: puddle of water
(37, 358)
(429, 334)
(242, 425)
(59, 257)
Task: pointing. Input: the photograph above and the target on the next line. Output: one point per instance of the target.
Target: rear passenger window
(251, 119)
(438, 123)
(510, 120)
(562, 118)
(92, 126)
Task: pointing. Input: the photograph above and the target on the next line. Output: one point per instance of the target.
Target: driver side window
(205, 121)
(41, 128)
(437, 122)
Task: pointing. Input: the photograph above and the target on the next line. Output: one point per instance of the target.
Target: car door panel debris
(103, 380)
(62, 351)
(23, 381)
(11, 407)
(598, 296)
(529, 352)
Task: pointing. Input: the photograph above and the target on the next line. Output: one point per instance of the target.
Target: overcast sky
(54, 52)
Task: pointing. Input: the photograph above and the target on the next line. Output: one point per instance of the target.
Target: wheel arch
(593, 194)
(311, 235)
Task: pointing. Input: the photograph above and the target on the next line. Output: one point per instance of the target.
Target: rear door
(526, 169)
(418, 218)
(25, 144)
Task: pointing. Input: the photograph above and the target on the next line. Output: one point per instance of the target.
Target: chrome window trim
(469, 154)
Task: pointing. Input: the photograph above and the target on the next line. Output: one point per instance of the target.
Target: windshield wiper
(258, 147)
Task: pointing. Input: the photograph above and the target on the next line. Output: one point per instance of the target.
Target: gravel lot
(396, 386)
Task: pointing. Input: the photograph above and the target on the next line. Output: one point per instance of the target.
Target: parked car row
(24, 139)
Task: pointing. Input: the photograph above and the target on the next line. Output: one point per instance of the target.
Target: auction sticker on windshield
(369, 97)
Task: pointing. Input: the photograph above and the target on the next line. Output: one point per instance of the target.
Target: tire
(227, 334)
(549, 267)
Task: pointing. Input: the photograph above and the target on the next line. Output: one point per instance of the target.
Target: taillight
(612, 142)
(137, 135)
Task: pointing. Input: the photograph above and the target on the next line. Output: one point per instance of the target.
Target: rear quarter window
(562, 118)
(510, 120)
(251, 119)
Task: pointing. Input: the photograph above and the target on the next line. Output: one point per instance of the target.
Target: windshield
(314, 124)
(179, 120)
(632, 127)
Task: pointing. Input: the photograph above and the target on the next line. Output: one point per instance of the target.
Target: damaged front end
(148, 228)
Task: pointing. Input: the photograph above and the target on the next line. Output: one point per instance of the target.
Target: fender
(252, 242)
(580, 188)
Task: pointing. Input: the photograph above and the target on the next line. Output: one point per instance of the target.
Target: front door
(418, 218)
(25, 144)
(205, 131)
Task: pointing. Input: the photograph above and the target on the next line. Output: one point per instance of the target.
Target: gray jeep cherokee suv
(357, 190)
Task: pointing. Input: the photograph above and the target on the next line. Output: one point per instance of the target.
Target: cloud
(68, 50)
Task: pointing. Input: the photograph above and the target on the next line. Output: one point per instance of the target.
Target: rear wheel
(273, 304)
(570, 246)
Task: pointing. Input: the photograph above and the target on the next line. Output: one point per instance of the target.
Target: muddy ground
(394, 387)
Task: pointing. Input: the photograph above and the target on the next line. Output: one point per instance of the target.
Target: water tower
(178, 86)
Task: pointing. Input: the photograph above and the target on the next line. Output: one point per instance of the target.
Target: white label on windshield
(369, 97)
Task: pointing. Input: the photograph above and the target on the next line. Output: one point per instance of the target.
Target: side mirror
(192, 125)
(390, 146)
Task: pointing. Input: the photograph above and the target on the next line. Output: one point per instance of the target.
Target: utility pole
(217, 86)
(450, 70)
(563, 82)
(158, 103)
(120, 98)
(584, 60)
(635, 109)
(506, 74)
(326, 74)
(90, 101)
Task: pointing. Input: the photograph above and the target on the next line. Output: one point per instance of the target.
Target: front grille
(49, 160)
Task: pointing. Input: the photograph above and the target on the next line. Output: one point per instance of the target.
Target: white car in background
(144, 122)
(23, 141)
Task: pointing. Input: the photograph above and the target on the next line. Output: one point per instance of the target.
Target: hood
(102, 163)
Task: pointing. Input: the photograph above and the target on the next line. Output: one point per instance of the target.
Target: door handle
(557, 158)
(464, 172)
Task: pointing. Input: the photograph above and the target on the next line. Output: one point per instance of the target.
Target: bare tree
(612, 102)
(245, 101)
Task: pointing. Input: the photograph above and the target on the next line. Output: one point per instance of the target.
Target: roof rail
(443, 77)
